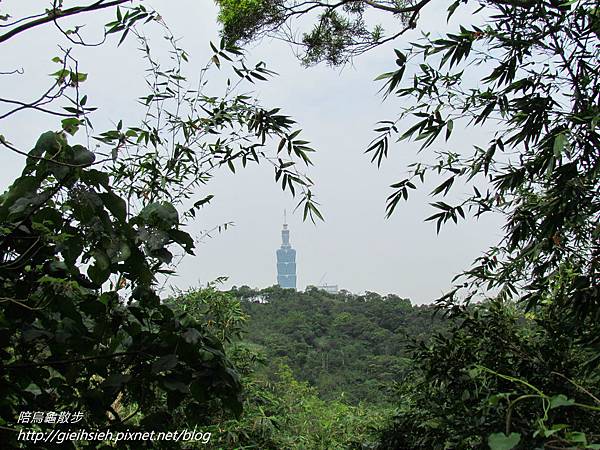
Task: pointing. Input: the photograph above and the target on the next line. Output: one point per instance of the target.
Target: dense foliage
(350, 347)
(282, 412)
(279, 410)
(498, 379)
(81, 323)
(495, 378)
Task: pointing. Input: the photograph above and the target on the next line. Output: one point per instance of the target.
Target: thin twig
(63, 362)
(17, 302)
(19, 71)
(581, 388)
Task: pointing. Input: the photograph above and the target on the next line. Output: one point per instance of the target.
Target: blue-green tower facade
(286, 261)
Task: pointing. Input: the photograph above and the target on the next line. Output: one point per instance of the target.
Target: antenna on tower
(285, 217)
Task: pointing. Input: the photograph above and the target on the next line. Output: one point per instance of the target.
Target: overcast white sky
(356, 247)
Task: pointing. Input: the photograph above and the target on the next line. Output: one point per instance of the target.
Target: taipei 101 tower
(286, 259)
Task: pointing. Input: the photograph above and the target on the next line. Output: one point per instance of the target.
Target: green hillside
(351, 347)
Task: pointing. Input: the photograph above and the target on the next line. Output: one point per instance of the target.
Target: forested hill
(350, 347)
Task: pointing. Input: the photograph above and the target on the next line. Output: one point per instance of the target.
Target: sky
(356, 247)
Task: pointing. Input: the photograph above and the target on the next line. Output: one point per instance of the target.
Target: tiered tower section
(286, 261)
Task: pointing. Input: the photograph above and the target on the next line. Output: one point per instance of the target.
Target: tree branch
(23, 105)
(41, 158)
(58, 14)
(394, 9)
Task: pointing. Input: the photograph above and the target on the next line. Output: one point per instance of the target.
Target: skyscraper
(286, 260)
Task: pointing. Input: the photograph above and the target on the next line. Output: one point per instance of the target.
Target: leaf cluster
(81, 324)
